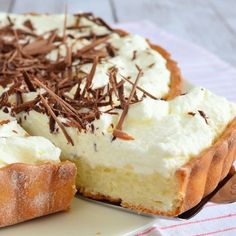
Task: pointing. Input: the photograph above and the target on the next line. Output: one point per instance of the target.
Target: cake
(33, 181)
(112, 102)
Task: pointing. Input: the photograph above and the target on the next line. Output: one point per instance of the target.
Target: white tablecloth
(201, 68)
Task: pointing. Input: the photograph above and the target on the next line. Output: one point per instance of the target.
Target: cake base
(143, 193)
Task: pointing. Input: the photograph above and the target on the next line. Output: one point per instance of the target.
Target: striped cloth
(214, 219)
(201, 68)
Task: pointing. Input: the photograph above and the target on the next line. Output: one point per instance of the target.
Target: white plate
(84, 218)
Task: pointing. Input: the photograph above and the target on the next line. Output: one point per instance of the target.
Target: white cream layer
(166, 136)
(16, 146)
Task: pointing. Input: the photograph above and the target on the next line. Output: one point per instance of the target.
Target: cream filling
(165, 135)
(16, 146)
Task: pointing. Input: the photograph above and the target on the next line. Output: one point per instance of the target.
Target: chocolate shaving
(10, 21)
(112, 79)
(93, 36)
(134, 55)
(91, 73)
(110, 50)
(29, 25)
(5, 109)
(68, 58)
(90, 76)
(203, 115)
(141, 89)
(191, 113)
(37, 47)
(103, 23)
(19, 99)
(3, 122)
(50, 111)
(95, 147)
(26, 105)
(28, 82)
(52, 124)
(118, 130)
(92, 45)
(63, 103)
(122, 135)
(121, 95)
(151, 65)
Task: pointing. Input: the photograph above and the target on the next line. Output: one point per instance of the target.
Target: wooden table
(209, 23)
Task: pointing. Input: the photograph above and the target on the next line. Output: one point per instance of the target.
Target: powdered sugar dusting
(30, 191)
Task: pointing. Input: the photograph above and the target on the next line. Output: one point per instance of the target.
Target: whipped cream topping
(130, 51)
(167, 134)
(16, 146)
(150, 61)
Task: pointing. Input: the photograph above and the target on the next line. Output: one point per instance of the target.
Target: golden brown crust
(208, 169)
(30, 191)
(176, 79)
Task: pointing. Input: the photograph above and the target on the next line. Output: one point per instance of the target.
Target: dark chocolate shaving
(28, 82)
(92, 45)
(91, 74)
(118, 130)
(191, 113)
(3, 122)
(52, 114)
(141, 89)
(40, 46)
(29, 25)
(203, 115)
(134, 55)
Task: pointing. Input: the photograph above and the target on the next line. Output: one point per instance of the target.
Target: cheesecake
(112, 102)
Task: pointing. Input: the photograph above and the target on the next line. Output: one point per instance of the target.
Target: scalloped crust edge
(33, 190)
(200, 176)
(176, 79)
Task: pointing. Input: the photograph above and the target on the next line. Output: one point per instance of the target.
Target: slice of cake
(111, 101)
(33, 181)
(167, 156)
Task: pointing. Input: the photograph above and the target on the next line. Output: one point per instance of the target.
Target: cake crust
(200, 176)
(176, 78)
(30, 191)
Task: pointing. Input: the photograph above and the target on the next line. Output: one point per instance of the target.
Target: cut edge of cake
(194, 180)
